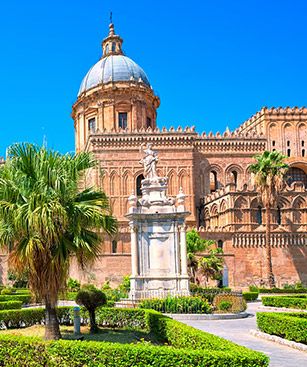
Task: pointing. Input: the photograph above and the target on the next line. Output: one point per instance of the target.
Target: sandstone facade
(114, 117)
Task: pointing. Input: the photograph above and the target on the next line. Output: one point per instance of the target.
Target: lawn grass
(103, 335)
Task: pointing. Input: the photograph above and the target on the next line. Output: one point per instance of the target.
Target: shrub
(225, 305)
(6, 291)
(250, 296)
(125, 284)
(253, 288)
(24, 298)
(291, 326)
(73, 285)
(10, 305)
(90, 297)
(177, 305)
(238, 304)
(288, 302)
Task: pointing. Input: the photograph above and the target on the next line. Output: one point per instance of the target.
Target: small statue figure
(149, 161)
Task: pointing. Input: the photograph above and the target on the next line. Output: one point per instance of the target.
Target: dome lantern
(112, 45)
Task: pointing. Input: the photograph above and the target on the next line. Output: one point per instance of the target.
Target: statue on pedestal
(149, 161)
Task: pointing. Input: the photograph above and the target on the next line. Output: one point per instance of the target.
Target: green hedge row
(15, 319)
(288, 302)
(177, 305)
(190, 347)
(10, 305)
(250, 296)
(291, 326)
(24, 298)
(22, 351)
(282, 290)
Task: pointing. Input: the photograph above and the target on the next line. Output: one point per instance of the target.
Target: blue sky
(213, 63)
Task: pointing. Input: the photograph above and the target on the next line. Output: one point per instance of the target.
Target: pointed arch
(114, 183)
(172, 182)
(223, 206)
(184, 181)
(127, 183)
(298, 205)
(234, 174)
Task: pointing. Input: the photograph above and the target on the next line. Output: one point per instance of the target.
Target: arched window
(114, 247)
(259, 215)
(296, 175)
(288, 152)
(235, 177)
(213, 181)
(139, 180)
(220, 244)
(113, 46)
(278, 216)
(303, 152)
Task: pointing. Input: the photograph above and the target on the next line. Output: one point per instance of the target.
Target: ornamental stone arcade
(116, 112)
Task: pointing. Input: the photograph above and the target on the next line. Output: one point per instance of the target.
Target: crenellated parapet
(233, 142)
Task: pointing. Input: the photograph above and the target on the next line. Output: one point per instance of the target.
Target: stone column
(183, 251)
(134, 249)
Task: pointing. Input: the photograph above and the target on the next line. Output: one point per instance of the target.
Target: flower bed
(291, 326)
(186, 305)
(189, 346)
(299, 302)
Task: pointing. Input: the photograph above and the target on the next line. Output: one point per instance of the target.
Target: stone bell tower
(158, 237)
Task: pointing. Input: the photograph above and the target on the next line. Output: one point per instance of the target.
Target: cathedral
(115, 113)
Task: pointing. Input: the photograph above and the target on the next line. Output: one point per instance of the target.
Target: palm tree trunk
(52, 328)
(269, 267)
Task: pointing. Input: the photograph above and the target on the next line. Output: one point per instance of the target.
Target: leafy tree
(90, 297)
(73, 285)
(269, 171)
(45, 219)
(195, 244)
(211, 266)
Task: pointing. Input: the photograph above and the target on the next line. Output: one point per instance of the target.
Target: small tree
(195, 244)
(90, 297)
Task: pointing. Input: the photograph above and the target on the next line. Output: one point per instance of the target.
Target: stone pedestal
(158, 242)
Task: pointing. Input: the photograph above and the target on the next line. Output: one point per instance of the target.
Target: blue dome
(113, 68)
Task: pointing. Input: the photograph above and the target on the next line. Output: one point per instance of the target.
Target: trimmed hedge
(291, 326)
(282, 290)
(15, 319)
(183, 305)
(10, 305)
(288, 302)
(24, 298)
(208, 293)
(190, 347)
(250, 296)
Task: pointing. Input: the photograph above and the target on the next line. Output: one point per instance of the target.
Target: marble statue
(149, 161)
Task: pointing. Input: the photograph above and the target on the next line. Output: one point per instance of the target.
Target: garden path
(238, 332)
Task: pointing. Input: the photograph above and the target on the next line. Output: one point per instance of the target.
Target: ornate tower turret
(114, 95)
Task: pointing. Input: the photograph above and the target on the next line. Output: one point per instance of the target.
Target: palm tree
(45, 219)
(269, 173)
(211, 266)
(195, 244)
